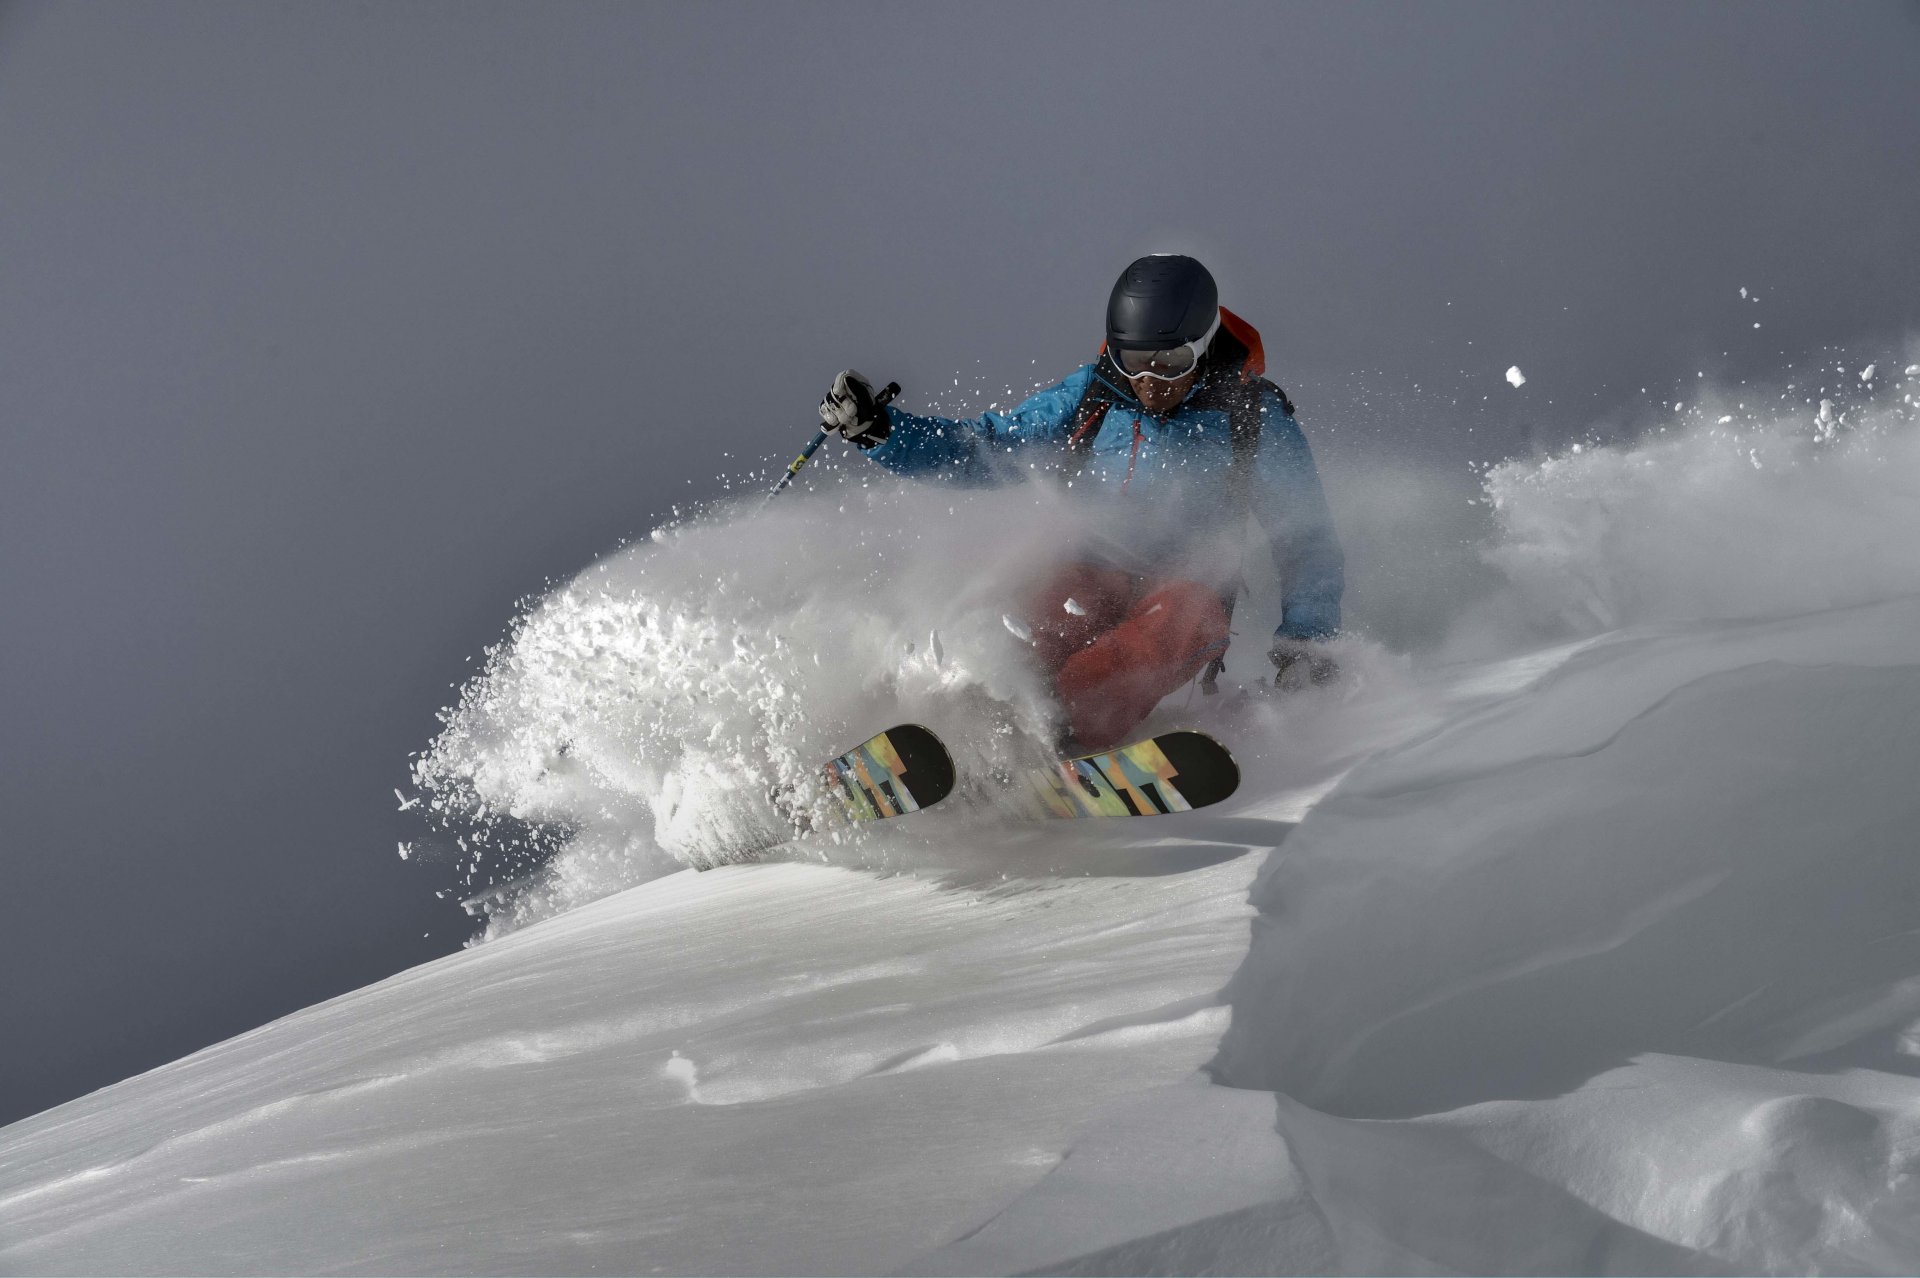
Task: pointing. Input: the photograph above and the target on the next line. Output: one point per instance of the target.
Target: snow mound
(1646, 932)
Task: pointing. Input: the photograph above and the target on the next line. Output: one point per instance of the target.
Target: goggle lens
(1168, 365)
(1175, 363)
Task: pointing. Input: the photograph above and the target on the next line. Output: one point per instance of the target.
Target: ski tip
(1199, 771)
(1206, 770)
(927, 768)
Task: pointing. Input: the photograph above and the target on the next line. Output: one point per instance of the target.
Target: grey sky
(328, 330)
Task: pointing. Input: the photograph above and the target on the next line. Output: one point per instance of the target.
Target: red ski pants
(1115, 644)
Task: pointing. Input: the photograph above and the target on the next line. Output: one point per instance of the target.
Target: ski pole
(806, 454)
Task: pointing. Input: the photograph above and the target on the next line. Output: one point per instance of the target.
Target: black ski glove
(853, 411)
(1300, 662)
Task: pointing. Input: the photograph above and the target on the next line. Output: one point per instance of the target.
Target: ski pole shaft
(806, 454)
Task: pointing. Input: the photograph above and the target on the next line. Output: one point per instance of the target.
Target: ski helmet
(1161, 301)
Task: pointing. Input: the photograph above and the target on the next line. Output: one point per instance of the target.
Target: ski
(1172, 772)
(901, 770)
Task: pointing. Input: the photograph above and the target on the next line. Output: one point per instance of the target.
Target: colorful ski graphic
(902, 770)
(1173, 772)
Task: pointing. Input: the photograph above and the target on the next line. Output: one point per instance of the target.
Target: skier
(1176, 420)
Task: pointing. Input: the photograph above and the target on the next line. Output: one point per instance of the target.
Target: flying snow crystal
(1515, 377)
(1866, 374)
(1075, 607)
(1912, 369)
(406, 850)
(1015, 628)
(406, 803)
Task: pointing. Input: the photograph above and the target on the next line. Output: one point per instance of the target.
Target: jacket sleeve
(1291, 508)
(976, 450)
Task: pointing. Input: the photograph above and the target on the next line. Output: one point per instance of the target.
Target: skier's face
(1157, 395)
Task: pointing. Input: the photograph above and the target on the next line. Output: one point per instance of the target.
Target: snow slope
(762, 1069)
(1597, 954)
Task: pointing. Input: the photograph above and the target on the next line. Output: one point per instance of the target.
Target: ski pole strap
(881, 400)
(1210, 677)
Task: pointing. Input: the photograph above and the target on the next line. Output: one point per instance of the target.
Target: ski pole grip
(880, 400)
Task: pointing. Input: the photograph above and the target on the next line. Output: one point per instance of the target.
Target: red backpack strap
(1087, 418)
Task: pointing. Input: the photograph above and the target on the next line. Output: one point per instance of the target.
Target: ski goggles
(1171, 364)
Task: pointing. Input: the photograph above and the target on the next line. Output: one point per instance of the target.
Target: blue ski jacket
(1167, 478)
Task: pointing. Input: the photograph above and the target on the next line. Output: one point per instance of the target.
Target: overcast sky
(329, 330)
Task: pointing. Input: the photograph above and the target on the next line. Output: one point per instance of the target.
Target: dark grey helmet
(1161, 301)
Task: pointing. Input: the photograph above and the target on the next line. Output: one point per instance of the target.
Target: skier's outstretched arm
(1292, 510)
(976, 450)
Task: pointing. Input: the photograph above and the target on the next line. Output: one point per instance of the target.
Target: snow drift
(1583, 938)
(1647, 933)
